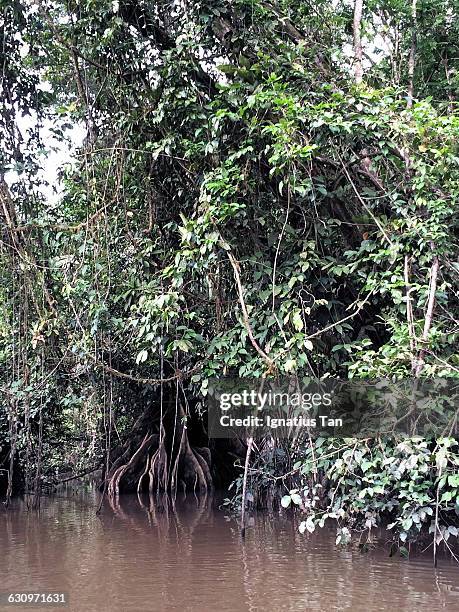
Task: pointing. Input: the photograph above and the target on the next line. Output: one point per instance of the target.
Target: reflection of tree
(151, 553)
(162, 512)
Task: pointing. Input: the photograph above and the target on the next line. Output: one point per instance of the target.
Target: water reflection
(159, 555)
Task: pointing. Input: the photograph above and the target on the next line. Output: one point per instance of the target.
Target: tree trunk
(412, 58)
(358, 69)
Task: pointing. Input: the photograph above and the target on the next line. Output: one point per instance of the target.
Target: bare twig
(362, 201)
(429, 313)
(244, 483)
(409, 311)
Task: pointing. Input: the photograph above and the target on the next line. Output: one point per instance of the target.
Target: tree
(239, 208)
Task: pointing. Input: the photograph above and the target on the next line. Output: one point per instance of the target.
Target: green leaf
(297, 320)
(285, 501)
(296, 499)
(142, 356)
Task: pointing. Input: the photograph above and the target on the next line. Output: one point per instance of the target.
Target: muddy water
(141, 557)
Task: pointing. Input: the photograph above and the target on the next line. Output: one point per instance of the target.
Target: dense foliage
(243, 204)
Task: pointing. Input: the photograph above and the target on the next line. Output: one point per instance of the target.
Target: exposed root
(176, 463)
(204, 462)
(159, 466)
(117, 475)
(193, 467)
(142, 476)
(169, 467)
(193, 463)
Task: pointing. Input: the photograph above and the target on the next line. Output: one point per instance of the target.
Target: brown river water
(141, 557)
